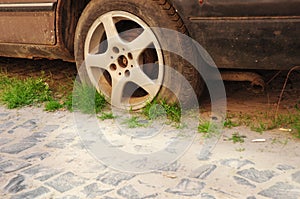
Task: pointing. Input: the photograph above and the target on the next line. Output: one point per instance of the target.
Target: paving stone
(66, 182)
(6, 125)
(15, 184)
(114, 178)
(32, 194)
(4, 141)
(243, 181)
(296, 177)
(93, 190)
(236, 163)
(129, 192)
(38, 136)
(12, 166)
(58, 144)
(204, 154)
(47, 176)
(4, 114)
(203, 171)
(43, 173)
(283, 167)
(17, 148)
(207, 196)
(257, 176)
(108, 197)
(69, 197)
(186, 187)
(37, 155)
(29, 124)
(50, 128)
(172, 167)
(281, 190)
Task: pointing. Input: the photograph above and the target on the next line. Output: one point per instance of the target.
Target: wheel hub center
(123, 61)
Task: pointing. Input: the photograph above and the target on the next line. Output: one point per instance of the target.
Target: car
(99, 35)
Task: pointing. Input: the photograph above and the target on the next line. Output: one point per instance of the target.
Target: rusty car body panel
(238, 34)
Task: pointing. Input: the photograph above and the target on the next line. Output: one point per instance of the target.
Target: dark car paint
(248, 34)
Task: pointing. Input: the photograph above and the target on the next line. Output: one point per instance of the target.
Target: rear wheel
(122, 55)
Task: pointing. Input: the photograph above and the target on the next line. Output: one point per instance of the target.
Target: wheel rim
(123, 60)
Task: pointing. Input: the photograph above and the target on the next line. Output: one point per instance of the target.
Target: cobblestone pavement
(41, 156)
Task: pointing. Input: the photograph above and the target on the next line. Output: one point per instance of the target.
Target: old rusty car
(238, 34)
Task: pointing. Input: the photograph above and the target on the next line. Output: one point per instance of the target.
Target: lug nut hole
(130, 56)
(116, 50)
(113, 67)
(127, 73)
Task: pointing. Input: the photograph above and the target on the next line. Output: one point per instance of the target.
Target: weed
(106, 116)
(53, 105)
(240, 149)
(230, 124)
(17, 93)
(86, 99)
(158, 108)
(260, 128)
(208, 128)
(133, 122)
(173, 111)
(236, 137)
(153, 110)
(68, 102)
(296, 126)
(204, 127)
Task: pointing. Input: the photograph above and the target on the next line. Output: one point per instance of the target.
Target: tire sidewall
(154, 16)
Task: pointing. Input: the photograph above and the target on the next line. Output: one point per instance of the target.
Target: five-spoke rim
(123, 60)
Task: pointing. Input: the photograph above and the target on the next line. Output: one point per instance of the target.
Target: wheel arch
(68, 14)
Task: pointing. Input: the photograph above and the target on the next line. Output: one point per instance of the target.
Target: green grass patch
(106, 116)
(159, 108)
(53, 105)
(237, 138)
(208, 128)
(230, 124)
(134, 122)
(86, 99)
(17, 93)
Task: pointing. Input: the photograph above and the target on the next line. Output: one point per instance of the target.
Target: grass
(134, 122)
(159, 108)
(237, 138)
(263, 121)
(204, 127)
(230, 124)
(53, 105)
(106, 116)
(259, 128)
(208, 128)
(86, 99)
(17, 93)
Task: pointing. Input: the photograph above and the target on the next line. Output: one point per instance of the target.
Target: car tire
(103, 22)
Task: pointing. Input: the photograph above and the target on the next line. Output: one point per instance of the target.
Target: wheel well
(68, 14)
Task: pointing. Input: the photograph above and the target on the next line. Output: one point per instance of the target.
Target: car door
(253, 34)
(248, 8)
(27, 22)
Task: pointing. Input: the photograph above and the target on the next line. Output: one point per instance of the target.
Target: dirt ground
(241, 97)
